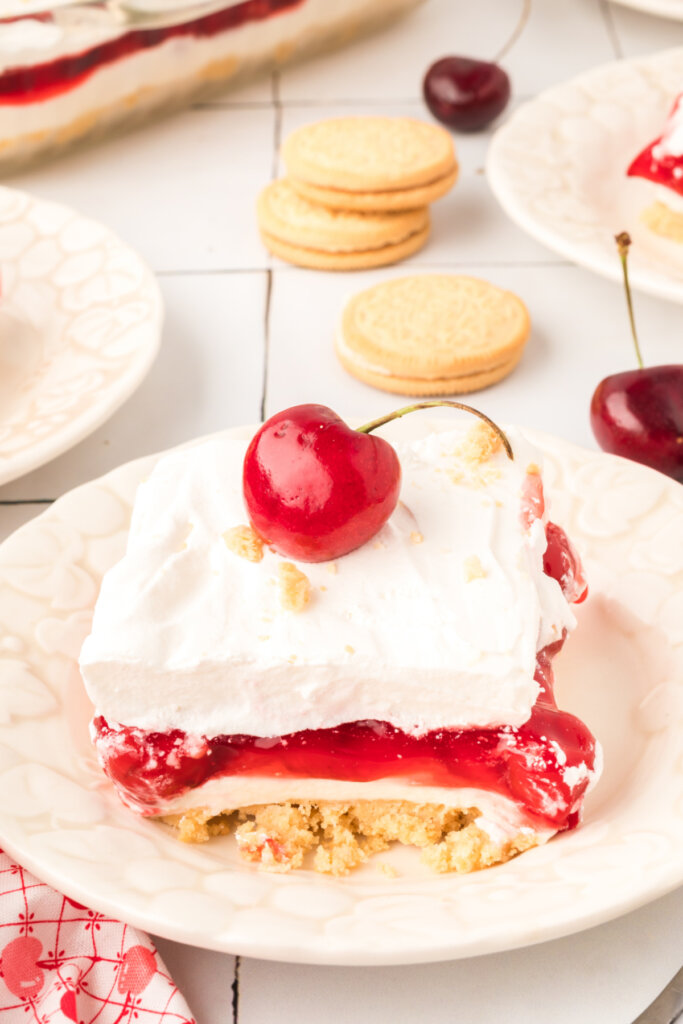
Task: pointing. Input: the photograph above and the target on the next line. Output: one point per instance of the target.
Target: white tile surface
(604, 976)
(182, 192)
(573, 344)
(205, 978)
(395, 69)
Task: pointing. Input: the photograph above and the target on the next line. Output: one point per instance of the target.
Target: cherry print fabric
(61, 963)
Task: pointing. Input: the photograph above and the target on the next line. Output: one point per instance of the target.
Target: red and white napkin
(61, 963)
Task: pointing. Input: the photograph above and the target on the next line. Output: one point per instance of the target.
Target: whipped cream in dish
(436, 623)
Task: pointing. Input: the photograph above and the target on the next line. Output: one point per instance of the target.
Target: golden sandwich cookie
(371, 163)
(314, 236)
(432, 334)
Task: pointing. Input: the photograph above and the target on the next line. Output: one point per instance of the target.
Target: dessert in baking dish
(400, 692)
(661, 164)
(70, 70)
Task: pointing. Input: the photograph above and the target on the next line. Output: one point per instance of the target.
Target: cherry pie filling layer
(39, 82)
(544, 765)
(666, 169)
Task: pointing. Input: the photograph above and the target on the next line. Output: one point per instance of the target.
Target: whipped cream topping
(189, 635)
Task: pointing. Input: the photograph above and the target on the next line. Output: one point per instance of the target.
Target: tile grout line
(610, 26)
(218, 272)
(330, 101)
(236, 991)
(27, 501)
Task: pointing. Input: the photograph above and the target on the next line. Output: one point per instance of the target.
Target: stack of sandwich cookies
(357, 192)
(432, 334)
(371, 163)
(317, 237)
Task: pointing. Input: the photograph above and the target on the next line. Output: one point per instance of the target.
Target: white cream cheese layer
(434, 623)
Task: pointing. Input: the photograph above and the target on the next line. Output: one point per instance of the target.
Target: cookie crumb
(349, 649)
(388, 870)
(473, 569)
(416, 537)
(533, 470)
(245, 542)
(480, 444)
(332, 568)
(294, 586)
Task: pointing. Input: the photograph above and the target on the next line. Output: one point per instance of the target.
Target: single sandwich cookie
(432, 334)
(314, 236)
(398, 199)
(369, 154)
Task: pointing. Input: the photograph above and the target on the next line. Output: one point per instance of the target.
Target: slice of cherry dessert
(327, 643)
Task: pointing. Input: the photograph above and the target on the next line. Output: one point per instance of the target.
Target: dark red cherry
(314, 488)
(466, 94)
(639, 413)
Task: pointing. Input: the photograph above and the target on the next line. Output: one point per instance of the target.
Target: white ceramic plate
(80, 325)
(558, 168)
(622, 671)
(663, 8)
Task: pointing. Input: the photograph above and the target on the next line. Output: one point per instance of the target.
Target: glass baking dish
(70, 70)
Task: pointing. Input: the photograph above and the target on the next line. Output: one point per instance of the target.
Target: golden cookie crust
(317, 259)
(291, 219)
(343, 836)
(664, 222)
(421, 388)
(369, 154)
(399, 199)
(434, 327)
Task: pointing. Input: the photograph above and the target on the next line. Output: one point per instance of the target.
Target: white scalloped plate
(558, 168)
(622, 671)
(662, 8)
(80, 325)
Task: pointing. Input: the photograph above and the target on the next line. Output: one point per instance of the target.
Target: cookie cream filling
(351, 353)
(435, 623)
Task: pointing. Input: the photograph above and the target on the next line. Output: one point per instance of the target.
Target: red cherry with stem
(639, 413)
(315, 489)
(466, 94)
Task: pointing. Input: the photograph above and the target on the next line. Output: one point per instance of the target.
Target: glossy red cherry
(314, 488)
(466, 94)
(639, 413)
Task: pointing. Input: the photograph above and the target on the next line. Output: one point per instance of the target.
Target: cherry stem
(374, 424)
(623, 241)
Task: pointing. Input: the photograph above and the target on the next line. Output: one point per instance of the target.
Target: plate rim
(127, 381)
(503, 188)
(658, 8)
(664, 879)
